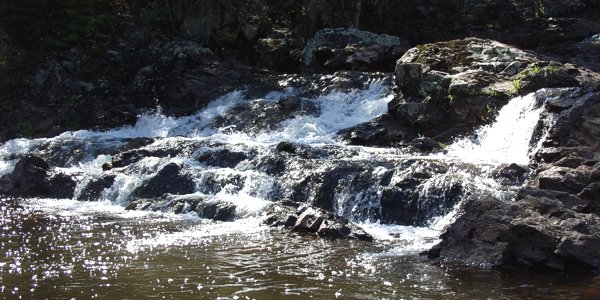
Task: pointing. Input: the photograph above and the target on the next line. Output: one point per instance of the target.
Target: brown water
(66, 252)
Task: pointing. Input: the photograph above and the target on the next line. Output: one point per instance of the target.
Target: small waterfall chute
(507, 139)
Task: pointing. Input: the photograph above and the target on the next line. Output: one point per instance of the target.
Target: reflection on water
(84, 252)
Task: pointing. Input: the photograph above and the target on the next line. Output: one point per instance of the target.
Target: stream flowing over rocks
(280, 156)
(475, 146)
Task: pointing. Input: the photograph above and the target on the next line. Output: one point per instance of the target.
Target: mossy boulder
(445, 90)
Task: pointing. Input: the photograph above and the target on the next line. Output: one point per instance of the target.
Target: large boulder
(32, 176)
(170, 179)
(447, 89)
(352, 49)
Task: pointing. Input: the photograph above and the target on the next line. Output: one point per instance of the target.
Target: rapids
(93, 245)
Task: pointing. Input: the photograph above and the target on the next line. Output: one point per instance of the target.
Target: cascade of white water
(507, 139)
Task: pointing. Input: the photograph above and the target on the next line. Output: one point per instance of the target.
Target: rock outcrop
(554, 221)
(352, 49)
(447, 89)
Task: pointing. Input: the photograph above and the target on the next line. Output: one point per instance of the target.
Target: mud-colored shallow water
(73, 251)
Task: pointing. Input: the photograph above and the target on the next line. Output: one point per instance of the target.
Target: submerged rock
(204, 207)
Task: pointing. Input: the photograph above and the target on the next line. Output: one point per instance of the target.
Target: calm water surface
(87, 250)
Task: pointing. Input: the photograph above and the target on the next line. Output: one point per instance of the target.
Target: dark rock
(166, 203)
(216, 210)
(317, 221)
(404, 111)
(424, 144)
(222, 158)
(32, 177)
(512, 174)
(93, 190)
(559, 104)
(409, 76)
(208, 209)
(61, 186)
(365, 134)
(405, 202)
(554, 220)
(168, 180)
(352, 49)
(140, 204)
(580, 251)
(311, 220)
(260, 115)
(285, 146)
(28, 178)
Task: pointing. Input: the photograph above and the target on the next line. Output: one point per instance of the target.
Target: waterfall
(507, 139)
(394, 195)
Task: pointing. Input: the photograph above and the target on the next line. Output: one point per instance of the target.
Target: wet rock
(559, 104)
(93, 190)
(285, 147)
(129, 157)
(365, 134)
(28, 178)
(307, 219)
(352, 49)
(170, 179)
(260, 115)
(512, 174)
(409, 77)
(222, 158)
(554, 220)
(61, 186)
(205, 208)
(405, 111)
(424, 144)
(166, 203)
(281, 214)
(139, 204)
(32, 176)
(216, 210)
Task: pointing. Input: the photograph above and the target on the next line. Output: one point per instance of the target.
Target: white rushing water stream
(507, 140)
(367, 176)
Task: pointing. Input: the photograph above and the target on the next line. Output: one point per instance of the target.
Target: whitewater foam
(507, 139)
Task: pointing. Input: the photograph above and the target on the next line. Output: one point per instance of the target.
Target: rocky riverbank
(453, 65)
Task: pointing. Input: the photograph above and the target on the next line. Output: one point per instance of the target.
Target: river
(92, 245)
